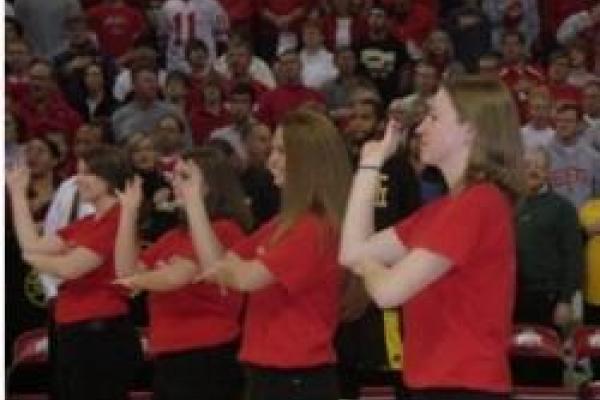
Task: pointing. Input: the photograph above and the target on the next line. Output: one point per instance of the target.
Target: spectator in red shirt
(558, 72)
(516, 73)
(239, 60)
(194, 326)
(242, 15)
(210, 114)
(118, 26)
(451, 264)
(290, 94)
(43, 109)
(411, 22)
(289, 265)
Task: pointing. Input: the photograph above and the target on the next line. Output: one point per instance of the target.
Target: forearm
(205, 242)
(376, 279)
(359, 220)
(126, 245)
(165, 279)
(51, 264)
(239, 275)
(25, 228)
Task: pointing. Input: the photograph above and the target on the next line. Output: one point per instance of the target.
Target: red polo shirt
(457, 330)
(291, 322)
(198, 315)
(275, 104)
(92, 295)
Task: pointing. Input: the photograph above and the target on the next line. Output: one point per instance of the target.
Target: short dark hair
(109, 163)
(177, 76)
(569, 106)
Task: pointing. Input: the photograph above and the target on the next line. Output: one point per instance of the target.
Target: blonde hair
(497, 152)
(318, 171)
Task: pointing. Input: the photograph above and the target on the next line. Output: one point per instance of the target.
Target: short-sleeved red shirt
(291, 323)
(92, 295)
(457, 330)
(117, 27)
(198, 315)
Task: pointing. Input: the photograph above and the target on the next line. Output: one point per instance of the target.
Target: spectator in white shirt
(318, 65)
(538, 132)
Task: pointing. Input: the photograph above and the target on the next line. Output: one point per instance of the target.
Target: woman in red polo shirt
(451, 263)
(194, 327)
(289, 265)
(97, 346)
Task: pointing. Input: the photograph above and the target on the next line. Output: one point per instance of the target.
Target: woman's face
(439, 44)
(442, 134)
(91, 187)
(93, 77)
(144, 156)
(39, 157)
(276, 162)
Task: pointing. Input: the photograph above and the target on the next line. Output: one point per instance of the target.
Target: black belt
(95, 325)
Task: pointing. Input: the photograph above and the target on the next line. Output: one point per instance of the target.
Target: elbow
(69, 273)
(348, 257)
(386, 298)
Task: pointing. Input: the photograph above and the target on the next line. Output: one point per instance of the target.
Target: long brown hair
(497, 151)
(317, 172)
(225, 197)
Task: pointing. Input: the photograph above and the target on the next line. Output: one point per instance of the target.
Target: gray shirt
(574, 171)
(132, 118)
(43, 24)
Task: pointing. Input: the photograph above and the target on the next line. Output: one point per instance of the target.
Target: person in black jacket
(550, 258)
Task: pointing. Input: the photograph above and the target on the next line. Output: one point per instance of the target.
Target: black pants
(456, 394)
(212, 373)
(318, 383)
(536, 307)
(97, 359)
(591, 316)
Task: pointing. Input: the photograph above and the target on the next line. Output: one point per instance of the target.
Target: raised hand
(131, 197)
(376, 152)
(17, 179)
(188, 182)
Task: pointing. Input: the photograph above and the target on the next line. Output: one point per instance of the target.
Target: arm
(27, 235)
(391, 287)
(126, 244)
(72, 265)
(238, 274)
(164, 279)
(571, 27)
(192, 189)
(358, 239)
